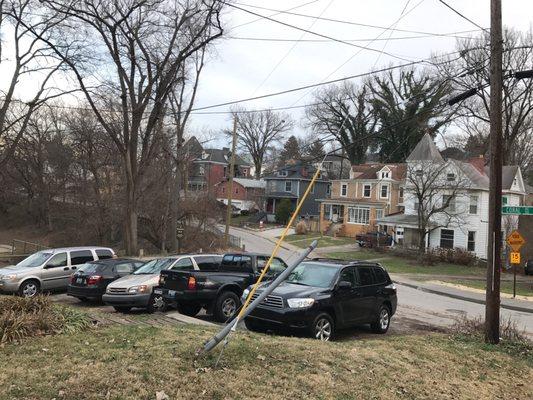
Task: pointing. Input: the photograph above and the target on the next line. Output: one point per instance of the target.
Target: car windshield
(155, 266)
(311, 274)
(35, 260)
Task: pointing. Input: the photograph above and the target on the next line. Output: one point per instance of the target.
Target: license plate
(158, 291)
(79, 280)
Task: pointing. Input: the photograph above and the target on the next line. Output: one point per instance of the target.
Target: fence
(235, 241)
(24, 247)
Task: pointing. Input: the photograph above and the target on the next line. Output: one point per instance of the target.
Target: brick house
(248, 194)
(372, 191)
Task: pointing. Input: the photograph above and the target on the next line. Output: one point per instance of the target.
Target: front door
(53, 273)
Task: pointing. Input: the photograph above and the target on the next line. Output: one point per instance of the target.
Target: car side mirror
(344, 285)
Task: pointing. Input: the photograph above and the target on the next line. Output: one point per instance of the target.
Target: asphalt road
(416, 308)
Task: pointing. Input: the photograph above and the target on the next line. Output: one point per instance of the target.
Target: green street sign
(517, 210)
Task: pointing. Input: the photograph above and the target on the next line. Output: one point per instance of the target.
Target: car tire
(382, 322)
(83, 299)
(122, 309)
(191, 310)
(30, 288)
(156, 304)
(253, 326)
(226, 306)
(323, 327)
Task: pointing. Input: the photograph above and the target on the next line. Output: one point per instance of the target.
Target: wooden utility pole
(492, 308)
(230, 181)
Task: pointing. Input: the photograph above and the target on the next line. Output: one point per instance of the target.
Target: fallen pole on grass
(231, 326)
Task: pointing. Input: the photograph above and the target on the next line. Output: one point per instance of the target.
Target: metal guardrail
(21, 247)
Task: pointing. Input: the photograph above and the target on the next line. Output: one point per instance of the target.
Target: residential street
(426, 309)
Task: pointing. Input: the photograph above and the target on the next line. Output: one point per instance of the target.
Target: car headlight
(8, 277)
(138, 289)
(300, 303)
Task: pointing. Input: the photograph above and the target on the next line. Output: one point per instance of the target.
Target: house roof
(408, 220)
(425, 150)
(369, 171)
(295, 171)
(281, 195)
(250, 183)
(222, 156)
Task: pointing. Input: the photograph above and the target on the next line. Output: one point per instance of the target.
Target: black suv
(323, 295)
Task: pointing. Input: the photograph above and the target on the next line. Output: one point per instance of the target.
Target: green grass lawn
(522, 288)
(135, 362)
(304, 241)
(400, 265)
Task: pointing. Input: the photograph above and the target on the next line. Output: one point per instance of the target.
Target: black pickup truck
(219, 292)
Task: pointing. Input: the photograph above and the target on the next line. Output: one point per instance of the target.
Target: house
(248, 194)
(211, 166)
(372, 191)
(334, 166)
(291, 182)
(452, 196)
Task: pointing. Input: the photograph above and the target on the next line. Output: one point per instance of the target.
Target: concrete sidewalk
(479, 298)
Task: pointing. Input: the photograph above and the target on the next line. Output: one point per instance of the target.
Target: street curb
(264, 237)
(188, 320)
(459, 297)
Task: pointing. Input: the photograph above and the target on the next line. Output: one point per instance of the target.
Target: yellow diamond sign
(515, 240)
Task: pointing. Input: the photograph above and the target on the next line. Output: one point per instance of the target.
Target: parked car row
(319, 296)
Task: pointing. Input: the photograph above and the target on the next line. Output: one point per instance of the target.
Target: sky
(239, 68)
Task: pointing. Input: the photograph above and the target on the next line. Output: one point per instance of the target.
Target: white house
(455, 199)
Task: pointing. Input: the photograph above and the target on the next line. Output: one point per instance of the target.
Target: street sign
(515, 240)
(515, 257)
(517, 210)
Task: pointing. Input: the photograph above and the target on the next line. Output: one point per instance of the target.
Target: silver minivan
(48, 269)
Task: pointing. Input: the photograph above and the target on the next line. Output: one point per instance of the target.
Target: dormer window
(283, 173)
(384, 173)
(450, 177)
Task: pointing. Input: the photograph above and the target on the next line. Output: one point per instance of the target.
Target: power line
(314, 33)
(463, 16)
(352, 22)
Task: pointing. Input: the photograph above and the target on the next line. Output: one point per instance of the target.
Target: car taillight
(191, 283)
(161, 280)
(94, 279)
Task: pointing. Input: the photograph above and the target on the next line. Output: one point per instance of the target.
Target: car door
(53, 273)
(348, 299)
(77, 258)
(365, 284)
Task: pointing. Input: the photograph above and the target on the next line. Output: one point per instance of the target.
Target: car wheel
(122, 309)
(156, 304)
(82, 299)
(226, 306)
(323, 328)
(189, 309)
(30, 288)
(382, 322)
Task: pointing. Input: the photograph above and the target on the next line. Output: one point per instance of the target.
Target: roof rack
(344, 261)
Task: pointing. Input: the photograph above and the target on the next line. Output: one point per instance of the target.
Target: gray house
(291, 183)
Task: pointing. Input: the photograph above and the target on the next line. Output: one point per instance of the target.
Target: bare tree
(25, 59)
(137, 49)
(258, 132)
(435, 188)
(344, 112)
(473, 113)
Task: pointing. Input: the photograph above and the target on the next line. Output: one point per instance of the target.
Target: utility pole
(492, 308)
(230, 181)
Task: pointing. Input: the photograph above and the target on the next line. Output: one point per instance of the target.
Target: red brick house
(248, 194)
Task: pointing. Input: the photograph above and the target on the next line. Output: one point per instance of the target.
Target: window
(327, 211)
(312, 189)
(380, 275)
(385, 175)
(471, 246)
(446, 238)
(283, 173)
(124, 269)
(328, 190)
(366, 190)
(288, 186)
(366, 277)
(236, 190)
(401, 193)
(223, 189)
(419, 172)
(344, 189)
(183, 264)
(277, 266)
(201, 170)
(473, 204)
(504, 200)
(104, 254)
(450, 177)
(80, 257)
(59, 260)
(348, 275)
(359, 215)
(450, 200)
(384, 191)
(416, 205)
(208, 263)
(379, 213)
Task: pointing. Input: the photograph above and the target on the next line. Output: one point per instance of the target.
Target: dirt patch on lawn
(481, 291)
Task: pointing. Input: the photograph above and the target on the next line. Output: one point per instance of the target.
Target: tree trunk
(257, 166)
(130, 229)
(174, 209)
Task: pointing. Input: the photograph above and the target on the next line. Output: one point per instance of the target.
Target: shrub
(301, 228)
(453, 256)
(25, 317)
(283, 211)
